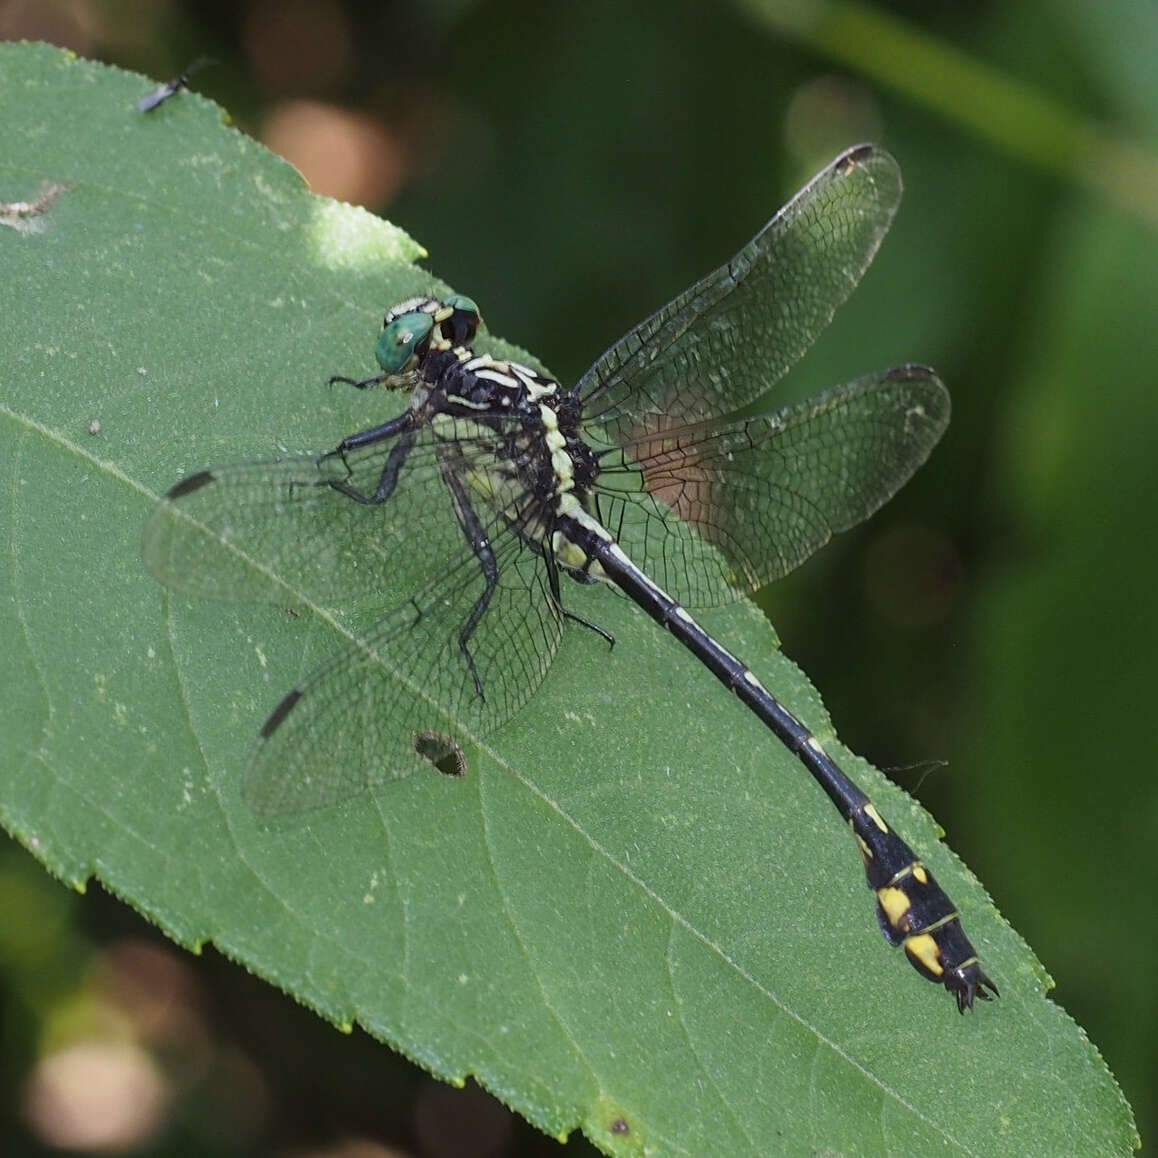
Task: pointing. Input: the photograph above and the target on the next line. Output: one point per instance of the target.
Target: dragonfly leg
(557, 598)
(476, 536)
(360, 383)
(395, 461)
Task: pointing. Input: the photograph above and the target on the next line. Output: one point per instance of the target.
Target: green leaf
(635, 916)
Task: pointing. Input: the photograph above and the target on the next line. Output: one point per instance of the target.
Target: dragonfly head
(414, 327)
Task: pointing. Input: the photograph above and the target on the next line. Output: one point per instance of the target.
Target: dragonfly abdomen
(912, 909)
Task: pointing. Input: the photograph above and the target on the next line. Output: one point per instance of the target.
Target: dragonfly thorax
(514, 434)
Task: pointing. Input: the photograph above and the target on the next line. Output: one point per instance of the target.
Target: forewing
(279, 532)
(724, 341)
(355, 722)
(715, 510)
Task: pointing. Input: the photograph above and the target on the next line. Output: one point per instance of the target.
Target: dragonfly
(494, 486)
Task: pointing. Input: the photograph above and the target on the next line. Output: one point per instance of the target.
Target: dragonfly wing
(279, 532)
(714, 510)
(724, 341)
(358, 720)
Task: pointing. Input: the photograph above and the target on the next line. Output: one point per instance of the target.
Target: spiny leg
(476, 536)
(403, 428)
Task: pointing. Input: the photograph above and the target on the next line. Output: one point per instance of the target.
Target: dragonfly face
(414, 327)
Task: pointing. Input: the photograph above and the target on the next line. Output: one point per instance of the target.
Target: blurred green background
(991, 638)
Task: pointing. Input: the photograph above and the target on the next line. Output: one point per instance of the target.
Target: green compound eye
(460, 302)
(400, 339)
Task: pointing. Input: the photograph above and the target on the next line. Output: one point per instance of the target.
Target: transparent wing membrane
(360, 719)
(279, 531)
(727, 339)
(763, 494)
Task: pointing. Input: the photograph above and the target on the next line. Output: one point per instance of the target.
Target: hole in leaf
(442, 752)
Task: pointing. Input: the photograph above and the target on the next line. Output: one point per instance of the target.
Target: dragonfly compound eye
(402, 340)
(463, 324)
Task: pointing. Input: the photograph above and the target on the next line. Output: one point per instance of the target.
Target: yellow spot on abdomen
(925, 954)
(895, 903)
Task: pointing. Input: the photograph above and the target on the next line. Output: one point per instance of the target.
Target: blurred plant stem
(1015, 117)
